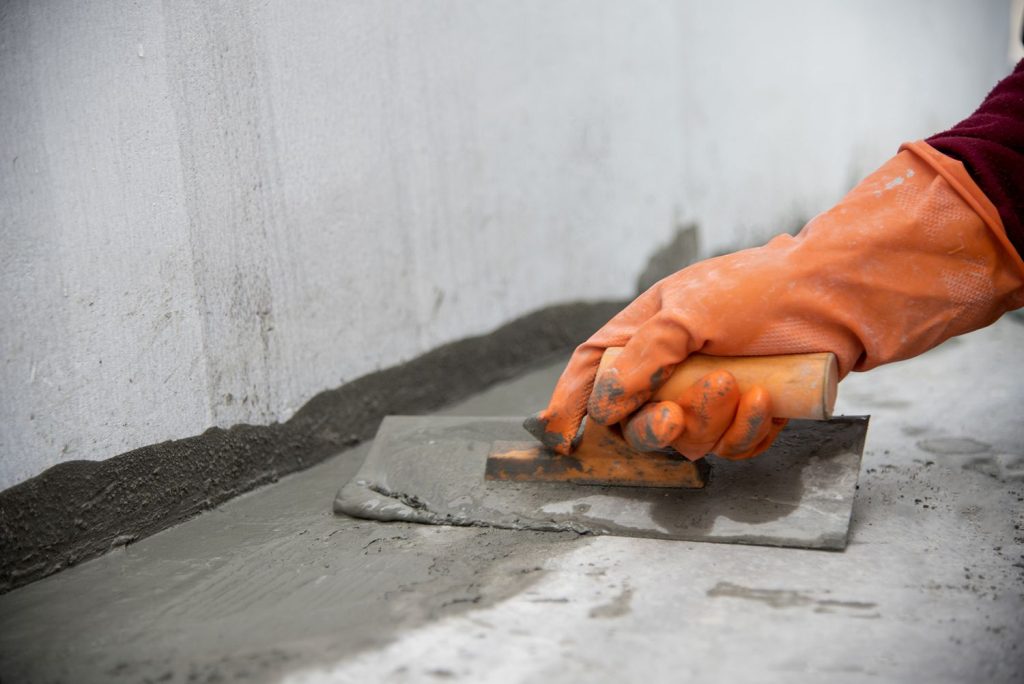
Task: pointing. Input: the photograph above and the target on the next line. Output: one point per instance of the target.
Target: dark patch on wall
(215, 59)
(78, 510)
(681, 251)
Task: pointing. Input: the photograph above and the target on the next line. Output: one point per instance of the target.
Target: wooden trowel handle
(801, 385)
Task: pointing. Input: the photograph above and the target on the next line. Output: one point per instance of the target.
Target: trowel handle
(801, 385)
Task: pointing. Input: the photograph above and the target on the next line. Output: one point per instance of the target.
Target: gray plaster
(273, 586)
(430, 470)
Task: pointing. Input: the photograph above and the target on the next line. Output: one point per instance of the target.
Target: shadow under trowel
(773, 486)
(430, 470)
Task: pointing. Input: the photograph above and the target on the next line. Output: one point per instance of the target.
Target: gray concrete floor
(271, 586)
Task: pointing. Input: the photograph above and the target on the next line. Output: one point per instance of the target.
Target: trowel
(489, 472)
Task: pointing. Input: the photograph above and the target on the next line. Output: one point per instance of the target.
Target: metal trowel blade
(430, 469)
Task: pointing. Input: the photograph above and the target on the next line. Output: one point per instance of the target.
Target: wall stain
(229, 182)
(678, 253)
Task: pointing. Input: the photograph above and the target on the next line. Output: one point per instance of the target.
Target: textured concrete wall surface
(211, 211)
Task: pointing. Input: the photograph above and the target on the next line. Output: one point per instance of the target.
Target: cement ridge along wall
(81, 509)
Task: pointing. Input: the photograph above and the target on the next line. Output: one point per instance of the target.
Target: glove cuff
(955, 173)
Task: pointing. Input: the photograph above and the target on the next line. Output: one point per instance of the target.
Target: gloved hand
(912, 256)
(710, 416)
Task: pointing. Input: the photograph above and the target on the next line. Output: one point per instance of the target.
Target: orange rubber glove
(912, 256)
(710, 416)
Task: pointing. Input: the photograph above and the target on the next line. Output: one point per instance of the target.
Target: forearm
(990, 144)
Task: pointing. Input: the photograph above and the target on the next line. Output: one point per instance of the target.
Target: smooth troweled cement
(273, 586)
(430, 469)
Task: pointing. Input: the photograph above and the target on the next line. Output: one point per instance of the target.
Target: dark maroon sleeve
(990, 143)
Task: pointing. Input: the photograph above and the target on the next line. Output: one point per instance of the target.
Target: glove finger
(645, 363)
(558, 426)
(710, 405)
(750, 426)
(777, 424)
(654, 426)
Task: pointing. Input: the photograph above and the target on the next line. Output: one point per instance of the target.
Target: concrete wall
(211, 211)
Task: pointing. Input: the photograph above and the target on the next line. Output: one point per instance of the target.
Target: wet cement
(272, 586)
(270, 582)
(430, 470)
(81, 509)
(253, 587)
